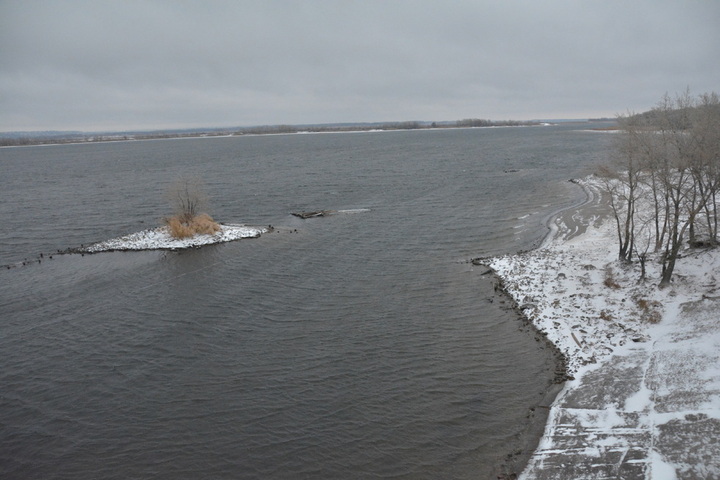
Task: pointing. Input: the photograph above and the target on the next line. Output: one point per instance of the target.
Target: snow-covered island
(160, 239)
(643, 395)
(188, 227)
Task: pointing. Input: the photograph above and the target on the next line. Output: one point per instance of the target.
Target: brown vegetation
(650, 310)
(188, 198)
(610, 281)
(180, 226)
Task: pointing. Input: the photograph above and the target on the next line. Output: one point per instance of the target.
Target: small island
(188, 227)
(160, 238)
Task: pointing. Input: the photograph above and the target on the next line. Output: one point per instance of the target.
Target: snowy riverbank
(644, 399)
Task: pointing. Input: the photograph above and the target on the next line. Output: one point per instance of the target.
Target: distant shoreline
(27, 139)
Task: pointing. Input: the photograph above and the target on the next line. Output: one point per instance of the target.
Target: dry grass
(650, 310)
(611, 283)
(183, 227)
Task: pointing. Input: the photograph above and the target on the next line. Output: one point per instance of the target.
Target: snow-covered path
(645, 398)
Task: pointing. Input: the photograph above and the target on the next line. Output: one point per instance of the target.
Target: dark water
(361, 346)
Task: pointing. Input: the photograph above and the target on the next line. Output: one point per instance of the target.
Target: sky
(160, 64)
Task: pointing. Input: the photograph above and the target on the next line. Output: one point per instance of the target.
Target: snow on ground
(645, 398)
(160, 239)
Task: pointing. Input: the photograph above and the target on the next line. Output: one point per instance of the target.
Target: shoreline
(644, 392)
(528, 440)
(518, 460)
(562, 224)
(573, 226)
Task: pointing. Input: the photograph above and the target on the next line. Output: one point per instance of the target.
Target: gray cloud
(155, 64)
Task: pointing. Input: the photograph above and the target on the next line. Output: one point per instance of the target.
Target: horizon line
(290, 125)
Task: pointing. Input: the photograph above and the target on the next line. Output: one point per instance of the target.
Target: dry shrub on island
(180, 226)
(188, 197)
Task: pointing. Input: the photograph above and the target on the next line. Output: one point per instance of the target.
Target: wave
(354, 210)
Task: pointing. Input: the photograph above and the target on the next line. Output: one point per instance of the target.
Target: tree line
(667, 161)
(41, 138)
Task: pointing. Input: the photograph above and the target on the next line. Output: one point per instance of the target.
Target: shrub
(188, 198)
(177, 229)
(204, 224)
(179, 226)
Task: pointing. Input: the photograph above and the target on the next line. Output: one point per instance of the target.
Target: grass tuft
(611, 283)
(650, 310)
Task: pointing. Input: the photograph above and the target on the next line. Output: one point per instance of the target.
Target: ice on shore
(160, 239)
(645, 398)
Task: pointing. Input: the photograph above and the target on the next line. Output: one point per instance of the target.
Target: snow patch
(160, 239)
(660, 469)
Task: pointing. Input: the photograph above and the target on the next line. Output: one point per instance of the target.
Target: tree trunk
(669, 265)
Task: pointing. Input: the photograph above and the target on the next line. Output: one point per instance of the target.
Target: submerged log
(317, 213)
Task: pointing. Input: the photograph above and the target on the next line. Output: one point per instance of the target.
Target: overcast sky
(152, 64)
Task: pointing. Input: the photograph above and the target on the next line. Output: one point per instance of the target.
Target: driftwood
(317, 213)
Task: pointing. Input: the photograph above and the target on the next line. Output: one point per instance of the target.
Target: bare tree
(621, 181)
(686, 199)
(673, 152)
(188, 198)
(705, 133)
(643, 242)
